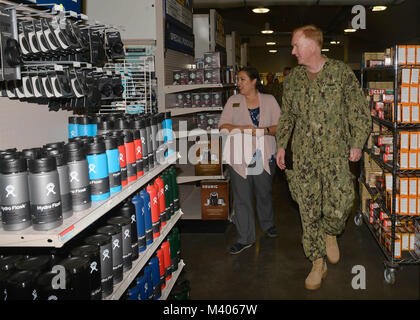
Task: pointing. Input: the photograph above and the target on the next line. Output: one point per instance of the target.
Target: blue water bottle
(148, 276)
(113, 158)
(147, 216)
(92, 126)
(141, 233)
(156, 287)
(98, 169)
(82, 126)
(133, 291)
(73, 127)
(167, 133)
(142, 286)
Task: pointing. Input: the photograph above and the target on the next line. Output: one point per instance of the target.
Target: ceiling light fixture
(333, 42)
(325, 50)
(379, 8)
(270, 43)
(260, 10)
(267, 29)
(349, 30)
(272, 51)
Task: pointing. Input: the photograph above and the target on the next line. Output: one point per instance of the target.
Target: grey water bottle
(14, 193)
(63, 174)
(78, 176)
(44, 194)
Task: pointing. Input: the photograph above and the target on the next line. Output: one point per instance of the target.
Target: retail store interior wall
(25, 125)
(136, 17)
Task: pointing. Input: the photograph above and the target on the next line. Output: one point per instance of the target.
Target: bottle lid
(119, 221)
(74, 151)
(111, 142)
(12, 164)
(109, 230)
(85, 251)
(119, 136)
(128, 136)
(75, 264)
(95, 145)
(58, 154)
(98, 239)
(44, 164)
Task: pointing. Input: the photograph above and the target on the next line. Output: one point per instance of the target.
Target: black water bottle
(128, 210)
(78, 268)
(21, 286)
(104, 243)
(91, 252)
(14, 196)
(117, 250)
(49, 288)
(124, 224)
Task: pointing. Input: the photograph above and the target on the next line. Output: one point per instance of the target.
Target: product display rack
(144, 256)
(167, 61)
(80, 220)
(392, 263)
(170, 284)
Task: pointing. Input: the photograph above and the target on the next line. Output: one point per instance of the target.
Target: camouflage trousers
(324, 192)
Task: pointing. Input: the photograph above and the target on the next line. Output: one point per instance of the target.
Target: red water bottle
(154, 205)
(121, 150)
(130, 156)
(159, 254)
(139, 153)
(160, 188)
(167, 260)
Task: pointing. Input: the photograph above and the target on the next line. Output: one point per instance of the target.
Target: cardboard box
(215, 202)
(414, 141)
(196, 76)
(209, 163)
(196, 100)
(414, 76)
(404, 160)
(412, 187)
(412, 206)
(212, 76)
(411, 54)
(412, 160)
(180, 77)
(405, 94)
(414, 94)
(403, 205)
(418, 54)
(217, 99)
(404, 141)
(402, 54)
(212, 60)
(206, 100)
(187, 99)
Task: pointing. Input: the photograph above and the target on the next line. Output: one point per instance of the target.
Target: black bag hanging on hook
(115, 47)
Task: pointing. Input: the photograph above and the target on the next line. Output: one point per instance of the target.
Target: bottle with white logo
(44, 194)
(117, 250)
(14, 193)
(78, 176)
(124, 224)
(92, 253)
(63, 174)
(104, 244)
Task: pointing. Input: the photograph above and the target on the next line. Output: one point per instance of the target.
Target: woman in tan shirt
(248, 124)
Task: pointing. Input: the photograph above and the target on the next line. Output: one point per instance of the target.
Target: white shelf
(170, 284)
(143, 258)
(186, 179)
(72, 226)
(182, 111)
(188, 87)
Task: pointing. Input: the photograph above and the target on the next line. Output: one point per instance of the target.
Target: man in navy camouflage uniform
(329, 113)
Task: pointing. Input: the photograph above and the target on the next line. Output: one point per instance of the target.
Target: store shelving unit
(143, 258)
(167, 61)
(170, 284)
(72, 226)
(391, 263)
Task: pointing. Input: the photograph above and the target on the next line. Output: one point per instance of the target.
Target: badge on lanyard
(235, 105)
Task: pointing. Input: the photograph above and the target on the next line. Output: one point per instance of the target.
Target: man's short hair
(311, 32)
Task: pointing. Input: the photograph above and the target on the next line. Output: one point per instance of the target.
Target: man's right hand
(280, 158)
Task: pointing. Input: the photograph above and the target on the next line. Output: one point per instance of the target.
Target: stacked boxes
(210, 70)
(199, 99)
(208, 120)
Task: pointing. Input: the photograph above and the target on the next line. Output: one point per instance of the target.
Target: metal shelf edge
(141, 261)
(170, 284)
(79, 221)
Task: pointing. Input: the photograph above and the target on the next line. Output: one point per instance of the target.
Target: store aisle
(276, 268)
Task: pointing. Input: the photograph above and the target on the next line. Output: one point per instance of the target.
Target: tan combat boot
(333, 253)
(318, 272)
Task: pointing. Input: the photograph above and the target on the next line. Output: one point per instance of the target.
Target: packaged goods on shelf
(217, 99)
(208, 120)
(206, 99)
(196, 100)
(215, 199)
(209, 159)
(180, 77)
(213, 76)
(213, 60)
(196, 76)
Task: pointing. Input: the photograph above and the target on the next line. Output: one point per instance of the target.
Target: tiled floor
(276, 268)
